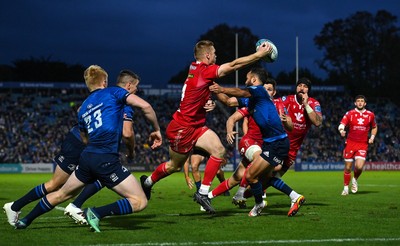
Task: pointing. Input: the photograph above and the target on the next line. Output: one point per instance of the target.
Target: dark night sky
(156, 38)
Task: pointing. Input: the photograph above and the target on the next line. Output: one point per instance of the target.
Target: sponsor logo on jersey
(277, 160)
(72, 167)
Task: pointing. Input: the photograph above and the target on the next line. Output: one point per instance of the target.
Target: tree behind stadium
(41, 69)
(362, 52)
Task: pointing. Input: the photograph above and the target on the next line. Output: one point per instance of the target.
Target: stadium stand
(33, 123)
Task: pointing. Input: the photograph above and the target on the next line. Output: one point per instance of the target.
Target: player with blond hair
(100, 121)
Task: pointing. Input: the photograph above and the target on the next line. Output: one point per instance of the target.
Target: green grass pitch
(370, 217)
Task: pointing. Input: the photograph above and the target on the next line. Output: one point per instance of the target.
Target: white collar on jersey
(362, 111)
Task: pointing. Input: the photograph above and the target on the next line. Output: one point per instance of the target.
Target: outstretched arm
(225, 99)
(226, 68)
(233, 91)
(150, 115)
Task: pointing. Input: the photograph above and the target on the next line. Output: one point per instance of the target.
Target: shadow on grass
(124, 222)
(363, 192)
(132, 222)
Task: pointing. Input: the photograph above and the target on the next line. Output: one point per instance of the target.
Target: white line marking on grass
(59, 208)
(331, 240)
(380, 185)
(53, 218)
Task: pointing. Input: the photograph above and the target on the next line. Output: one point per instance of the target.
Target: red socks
(221, 188)
(346, 177)
(159, 173)
(212, 166)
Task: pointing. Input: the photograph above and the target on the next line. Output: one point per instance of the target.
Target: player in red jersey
(187, 129)
(304, 111)
(358, 122)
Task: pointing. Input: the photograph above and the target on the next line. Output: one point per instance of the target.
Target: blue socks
(198, 184)
(257, 191)
(280, 185)
(34, 194)
(119, 207)
(87, 192)
(42, 207)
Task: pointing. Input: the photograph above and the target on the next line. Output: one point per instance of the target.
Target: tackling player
(275, 142)
(187, 129)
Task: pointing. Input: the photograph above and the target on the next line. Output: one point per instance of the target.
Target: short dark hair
(126, 73)
(360, 97)
(261, 73)
(272, 82)
(305, 81)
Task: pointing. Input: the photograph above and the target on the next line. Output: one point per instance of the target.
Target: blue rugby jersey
(75, 131)
(264, 112)
(101, 116)
(128, 113)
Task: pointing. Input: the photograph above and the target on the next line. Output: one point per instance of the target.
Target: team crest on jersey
(283, 98)
(360, 121)
(298, 116)
(114, 177)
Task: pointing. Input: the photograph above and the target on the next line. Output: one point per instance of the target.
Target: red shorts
(244, 145)
(355, 150)
(183, 138)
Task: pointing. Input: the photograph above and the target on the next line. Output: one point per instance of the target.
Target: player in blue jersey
(100, 121)
(129, 81)
(67, 159)
(275, 141)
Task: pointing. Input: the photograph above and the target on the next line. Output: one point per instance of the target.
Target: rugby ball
(271, 57)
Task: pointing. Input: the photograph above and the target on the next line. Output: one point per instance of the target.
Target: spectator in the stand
(16, 113)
